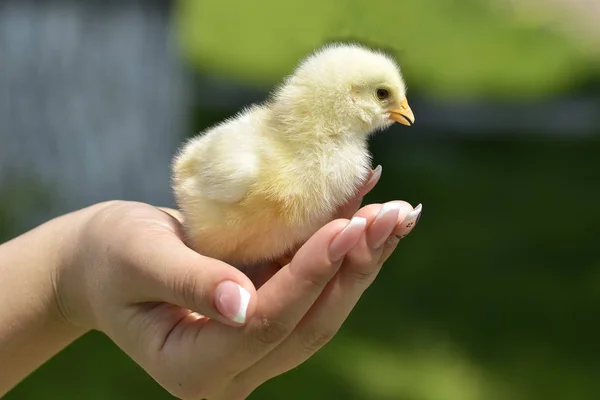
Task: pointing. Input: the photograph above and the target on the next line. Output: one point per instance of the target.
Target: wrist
(34, 327)
(75, 277)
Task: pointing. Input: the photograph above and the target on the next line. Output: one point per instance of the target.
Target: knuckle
(316, 283)
(313, 340)
(362, 268)
(271, 332)
(315, 280)
(361, 276)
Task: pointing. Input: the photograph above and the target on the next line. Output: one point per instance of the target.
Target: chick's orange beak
(403, 114)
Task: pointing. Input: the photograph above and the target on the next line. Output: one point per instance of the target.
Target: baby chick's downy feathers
(255, 186)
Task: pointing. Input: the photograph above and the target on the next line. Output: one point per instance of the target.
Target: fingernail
(387, 210)
(342, 244)
(375, 176)
(232, 300)
(410, 221)
(413, 217)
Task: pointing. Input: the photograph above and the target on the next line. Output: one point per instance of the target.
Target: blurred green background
(494, 296)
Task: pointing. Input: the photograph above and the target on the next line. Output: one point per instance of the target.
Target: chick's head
(345, 88)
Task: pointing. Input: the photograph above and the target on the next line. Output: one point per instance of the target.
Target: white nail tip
(240, 317)
(388, 208)
(377, 171)
(414, 213)
(357, 221)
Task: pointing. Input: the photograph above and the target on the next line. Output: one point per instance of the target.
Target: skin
(122, 268)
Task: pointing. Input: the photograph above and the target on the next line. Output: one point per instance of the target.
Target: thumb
(178, 275)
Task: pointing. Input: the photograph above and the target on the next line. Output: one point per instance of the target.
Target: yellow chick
(257, 185)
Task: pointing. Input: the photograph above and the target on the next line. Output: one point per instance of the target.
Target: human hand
(172, 310)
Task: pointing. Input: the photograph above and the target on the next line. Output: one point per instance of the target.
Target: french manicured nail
(412, 217)
(410, 221)
(347, 238)
(389, 210)
(232, 300)
(375, 176)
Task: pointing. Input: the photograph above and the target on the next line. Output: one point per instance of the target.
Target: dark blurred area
(494, 296)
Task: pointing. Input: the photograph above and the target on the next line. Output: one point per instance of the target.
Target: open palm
(155, 297)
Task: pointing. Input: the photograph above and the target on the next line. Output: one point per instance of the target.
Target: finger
(284, 300)
(288, 256)
(365, 259)
(361, 264)
(373, 180)
(336, 301)
(173, 213)
(388, 248)
(406, 224)
(406, 215)
(168, 271)
(348, 209)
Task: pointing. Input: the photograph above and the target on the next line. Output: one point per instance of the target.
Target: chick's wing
(221, 165)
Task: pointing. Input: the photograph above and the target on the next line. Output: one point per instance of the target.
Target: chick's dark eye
(383, 94)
